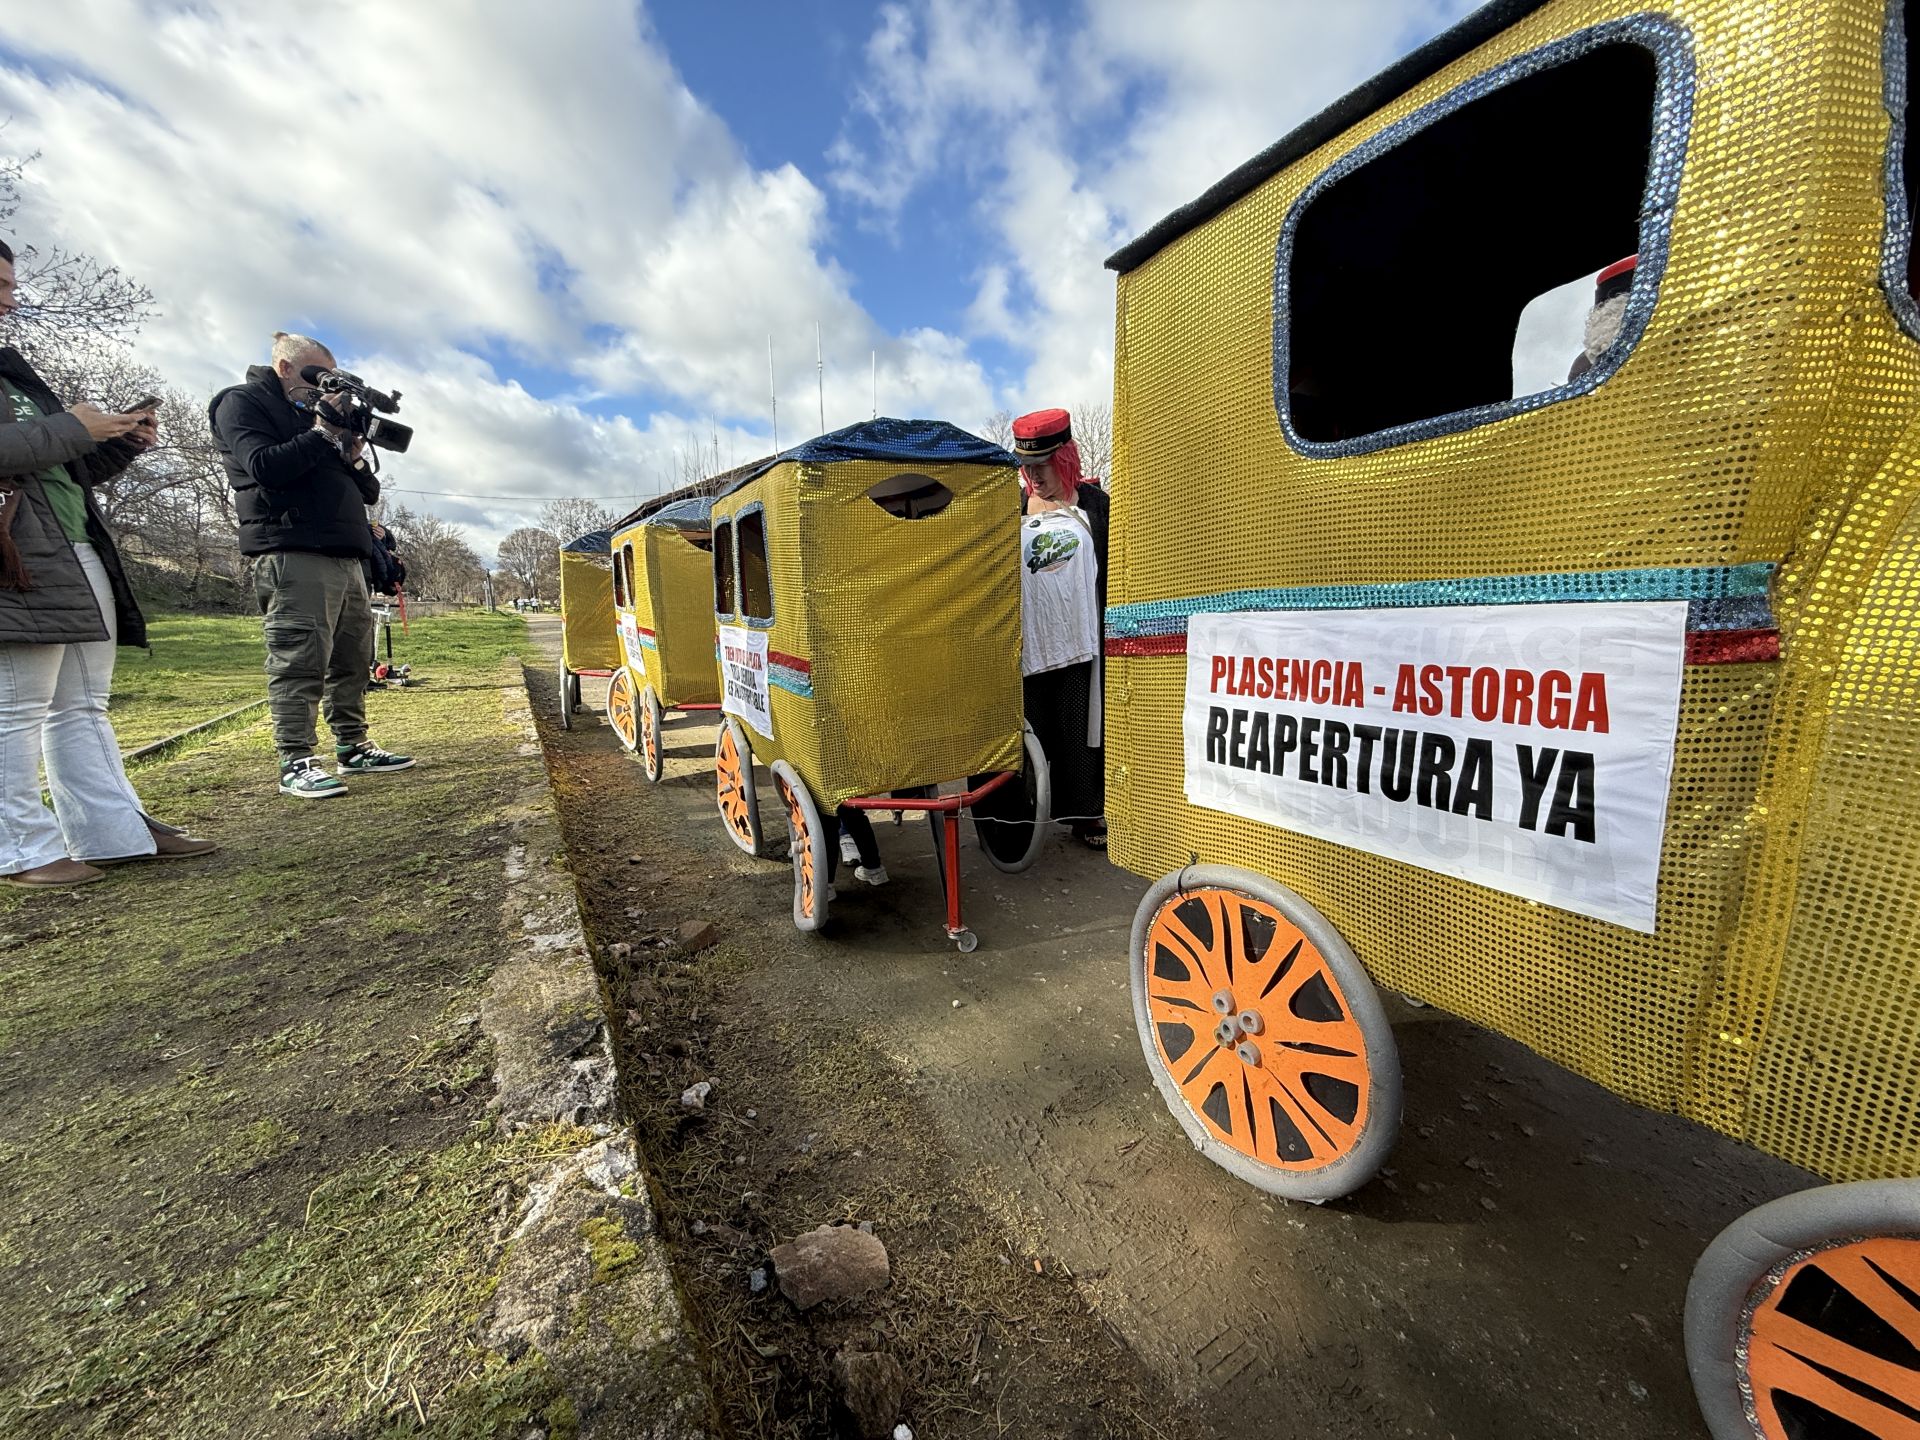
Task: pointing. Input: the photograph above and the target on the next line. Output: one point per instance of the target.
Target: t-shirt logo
(1051, 551)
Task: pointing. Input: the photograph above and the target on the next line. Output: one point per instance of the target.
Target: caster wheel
(966, 942)
(1264, 1033)
(620, 708)
(1803, 1317)
(733, 786)
(806, 846)
(652, 760)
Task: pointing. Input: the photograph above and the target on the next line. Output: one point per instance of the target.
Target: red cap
(1619, 267)
(1039, 433)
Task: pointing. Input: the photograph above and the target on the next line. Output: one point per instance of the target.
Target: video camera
(355, 401)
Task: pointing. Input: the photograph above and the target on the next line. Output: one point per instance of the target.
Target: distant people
(64, 606)
(1609, 313)
(302, 487)
(1063, 595)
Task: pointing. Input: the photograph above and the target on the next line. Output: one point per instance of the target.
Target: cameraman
(302, 491)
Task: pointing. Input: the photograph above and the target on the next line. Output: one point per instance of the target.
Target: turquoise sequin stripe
(791, 681)
(1723, 596)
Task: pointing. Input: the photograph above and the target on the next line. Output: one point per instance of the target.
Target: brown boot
(168, 844)
(53, 874)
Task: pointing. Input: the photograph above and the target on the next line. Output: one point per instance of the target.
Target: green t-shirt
(68, 500)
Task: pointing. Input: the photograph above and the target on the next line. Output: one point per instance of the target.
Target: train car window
(911, 497)
(626, 565)
(619, 583)
(723, 569)
(756, 579)
(1404, 272)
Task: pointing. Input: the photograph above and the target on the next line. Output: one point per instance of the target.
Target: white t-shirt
(1059, 585)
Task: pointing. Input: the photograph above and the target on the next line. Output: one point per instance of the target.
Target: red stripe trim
(792, 662)
(1732, 647)
(1147, 644)
(643, 630)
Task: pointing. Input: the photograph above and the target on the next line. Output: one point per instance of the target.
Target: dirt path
(1517, 1272)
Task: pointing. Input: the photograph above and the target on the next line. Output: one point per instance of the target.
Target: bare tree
(532, 558)
(1093, 434)
(65, 299)
(574, 516)
(999, 429)
(441, 565)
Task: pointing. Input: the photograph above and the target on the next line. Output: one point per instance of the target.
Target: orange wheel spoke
(1297, 1098)
(1787, 1373)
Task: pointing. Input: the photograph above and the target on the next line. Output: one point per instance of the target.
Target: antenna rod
(773, 394)
(875, 356)
(820, 375)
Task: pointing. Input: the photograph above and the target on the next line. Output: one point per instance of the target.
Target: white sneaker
(872, 874)
(849, 852)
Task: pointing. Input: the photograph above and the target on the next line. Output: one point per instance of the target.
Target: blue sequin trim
(1724, 597)
(791, 681)
(1672, 120)
(1898, 242)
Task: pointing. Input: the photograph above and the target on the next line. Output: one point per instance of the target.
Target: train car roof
(927, 441)
(694, 512)
(1383, 89)
(594, 542)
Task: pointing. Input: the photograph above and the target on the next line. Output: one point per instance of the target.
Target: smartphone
(148, 402)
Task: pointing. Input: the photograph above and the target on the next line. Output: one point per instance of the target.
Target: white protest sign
(743, 677)
(636, 653)
(1523, 747)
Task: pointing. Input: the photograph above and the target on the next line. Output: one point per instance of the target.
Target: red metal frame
(948, 808)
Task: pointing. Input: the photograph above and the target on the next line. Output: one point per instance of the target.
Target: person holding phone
(64, 603)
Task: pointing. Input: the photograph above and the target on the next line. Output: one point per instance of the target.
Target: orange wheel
(620, 714)
(733, 786)
(806, 845)
(1264, 1033)
(1803, 1318)
(652, 760)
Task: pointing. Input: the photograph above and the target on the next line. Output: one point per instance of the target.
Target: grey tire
(1755, 1264)
(806, 848)
(1356, 996)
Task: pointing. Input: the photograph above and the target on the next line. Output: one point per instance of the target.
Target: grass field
(203, 665)
(249, 1185)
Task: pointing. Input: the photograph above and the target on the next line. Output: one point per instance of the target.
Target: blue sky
(566, 232)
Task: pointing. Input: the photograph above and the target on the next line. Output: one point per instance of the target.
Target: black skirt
(1057, 704)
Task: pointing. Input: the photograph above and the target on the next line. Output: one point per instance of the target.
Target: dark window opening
(626, 564)
(723, 568)
(1408, 276)
(619, 578)
(911, 497)
(756, 580)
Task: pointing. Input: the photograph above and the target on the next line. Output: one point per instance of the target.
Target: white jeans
(53, 706)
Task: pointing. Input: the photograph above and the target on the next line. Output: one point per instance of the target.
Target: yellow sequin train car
(867, 586)
(1571, 684)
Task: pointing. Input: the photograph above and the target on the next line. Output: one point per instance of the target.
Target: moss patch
(609, 1246)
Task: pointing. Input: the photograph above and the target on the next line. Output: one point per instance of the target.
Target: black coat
(58, 608)
(293, 489)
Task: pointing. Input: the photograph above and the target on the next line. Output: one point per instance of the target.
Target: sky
(567, 232)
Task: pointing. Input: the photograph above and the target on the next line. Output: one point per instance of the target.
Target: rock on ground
(873, 1387)
(832, 1262)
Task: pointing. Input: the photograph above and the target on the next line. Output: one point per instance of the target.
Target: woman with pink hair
(1063, 597)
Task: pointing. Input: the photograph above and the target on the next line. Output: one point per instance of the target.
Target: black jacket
(294, 491)
(59, 608)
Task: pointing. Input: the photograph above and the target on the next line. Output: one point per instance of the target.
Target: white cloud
(432, 182)
(1078, 139)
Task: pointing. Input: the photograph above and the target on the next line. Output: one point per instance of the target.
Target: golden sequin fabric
(1763, 422)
